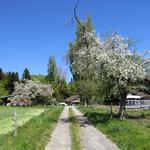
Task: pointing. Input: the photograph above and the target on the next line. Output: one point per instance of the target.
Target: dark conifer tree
(26, 74)
(11, 77)
(1, 74)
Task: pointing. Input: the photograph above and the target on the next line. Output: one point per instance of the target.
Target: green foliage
(56, 77)
(7, 82)
(78, 44)
(1, 74)
(40, 78)
(11, 77)
(86, 89)
(52, 71)
(72, 88)
(64, 90)
(33, 135)
(3, 91)
(26, 74)
(105, 86)
(80, 33)
(61, 90)
(42, 100)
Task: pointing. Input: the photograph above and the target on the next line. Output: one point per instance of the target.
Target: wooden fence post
(15, 123)
(110, 109)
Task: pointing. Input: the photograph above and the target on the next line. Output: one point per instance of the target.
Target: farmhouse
(138, 100)
(73, 100)
(5, 100)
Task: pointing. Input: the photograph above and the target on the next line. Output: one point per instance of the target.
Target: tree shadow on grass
(138, 116)
(65, 120)
(68, 120)
(72, 120)
(96, 117)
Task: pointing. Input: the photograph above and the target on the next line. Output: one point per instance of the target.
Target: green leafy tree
(72, 88)
(56, 76)
(61, 90)
(3, 91)
(64, 89)
(87, 90)
(78, 44)
(41, 78)
(7, 82)
(88, 73)
(52, 71)
(26, 74)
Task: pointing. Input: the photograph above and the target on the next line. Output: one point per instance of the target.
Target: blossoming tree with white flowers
(110, 61)
(113, 59)
(29, 92)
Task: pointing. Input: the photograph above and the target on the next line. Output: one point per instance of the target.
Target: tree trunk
(87, 103)
(122, 106)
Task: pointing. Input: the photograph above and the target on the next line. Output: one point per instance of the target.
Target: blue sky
(33, 30)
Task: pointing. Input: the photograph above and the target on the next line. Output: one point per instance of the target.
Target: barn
(73, 100)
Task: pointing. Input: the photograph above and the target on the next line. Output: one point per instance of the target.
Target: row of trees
(55, 77)
(110, 65)
(85, 83)
(7, 81)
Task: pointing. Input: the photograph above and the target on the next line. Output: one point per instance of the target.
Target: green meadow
(36, 126)
(24, 114)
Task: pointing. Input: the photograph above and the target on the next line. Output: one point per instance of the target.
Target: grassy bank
(130, 134)
(34, 134)
(74, 131)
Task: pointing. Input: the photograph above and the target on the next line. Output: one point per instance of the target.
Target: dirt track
(60, 139)
(91, 138)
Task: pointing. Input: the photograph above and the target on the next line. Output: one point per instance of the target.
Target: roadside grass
(24, 114)
(34, 134)
(129, 134)
(74, 131)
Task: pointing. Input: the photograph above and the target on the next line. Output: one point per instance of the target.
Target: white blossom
(112, 56)
(28, 90)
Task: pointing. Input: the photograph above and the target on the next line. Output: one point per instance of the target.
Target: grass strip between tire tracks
(74, 131)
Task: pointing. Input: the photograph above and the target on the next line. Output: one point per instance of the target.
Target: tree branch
(75, 14)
